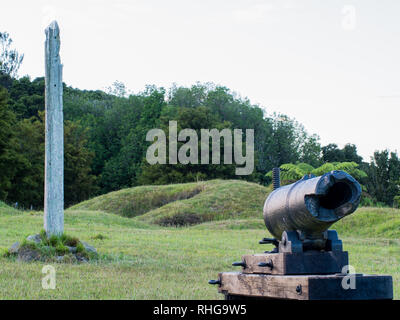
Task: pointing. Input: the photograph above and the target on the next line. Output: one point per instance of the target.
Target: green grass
(371, 223)
(139, 259)
(183, 204)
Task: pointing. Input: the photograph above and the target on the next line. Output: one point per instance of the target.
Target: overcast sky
(333, 65)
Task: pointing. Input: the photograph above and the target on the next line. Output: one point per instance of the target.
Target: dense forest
(105, 139)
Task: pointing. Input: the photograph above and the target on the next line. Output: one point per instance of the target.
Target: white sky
(309, 59)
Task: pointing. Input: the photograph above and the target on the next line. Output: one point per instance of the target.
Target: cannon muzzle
(312, 204)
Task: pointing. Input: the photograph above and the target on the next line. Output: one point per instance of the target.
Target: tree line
(105, 139)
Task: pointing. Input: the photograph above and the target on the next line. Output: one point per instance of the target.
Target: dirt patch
(180, 220)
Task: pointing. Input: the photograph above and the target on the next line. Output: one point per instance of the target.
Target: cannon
(305, 209)
(307, 261)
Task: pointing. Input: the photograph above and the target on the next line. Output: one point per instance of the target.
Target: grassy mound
(136, 201)
(371, 222)
(5, 209)
(183, 204)
(216, 204)
(366, 222)
(62, 248)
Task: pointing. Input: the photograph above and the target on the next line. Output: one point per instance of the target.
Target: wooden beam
(312, 262)
(260, 285)
(305, 287)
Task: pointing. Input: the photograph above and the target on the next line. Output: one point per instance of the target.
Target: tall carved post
(54, 145)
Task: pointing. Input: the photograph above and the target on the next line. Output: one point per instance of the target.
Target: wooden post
(54, 145)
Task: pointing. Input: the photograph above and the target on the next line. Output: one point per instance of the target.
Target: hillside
(5, 209)
(184, 204)
(158, 262)
(223, 204)
(366, 222)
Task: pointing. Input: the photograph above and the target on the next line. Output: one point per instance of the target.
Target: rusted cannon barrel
(312, 204)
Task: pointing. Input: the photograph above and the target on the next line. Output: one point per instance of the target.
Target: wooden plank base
(309, 262)
(305, 287)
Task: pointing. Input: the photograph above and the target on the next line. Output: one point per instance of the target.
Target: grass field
(141, 258)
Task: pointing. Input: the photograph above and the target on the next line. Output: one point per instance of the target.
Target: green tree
(331, 153)
(310, 151)
(189, 97)
(79, 182)
(27, 186)
(27, 97)
(118, 89)
(384, 176)
(350, 167)
(291, 143)
(128, 125)
(350, 153)
(28, 180)
(292, 172)
(10, 59)
(8, 155)
(197, 119)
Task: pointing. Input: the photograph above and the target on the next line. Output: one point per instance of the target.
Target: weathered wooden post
(54, 144)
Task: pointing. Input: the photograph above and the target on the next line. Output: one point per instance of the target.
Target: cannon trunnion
(307, 261)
